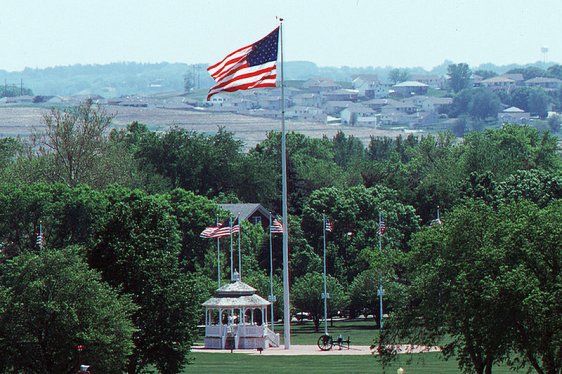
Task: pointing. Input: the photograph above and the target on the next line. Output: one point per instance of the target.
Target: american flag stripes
(382, 228)
(208, 232)
(329, 227)
(222, 230)
(276, 227)
(252, 66)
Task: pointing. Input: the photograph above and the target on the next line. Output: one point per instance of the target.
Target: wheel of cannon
(325, 342)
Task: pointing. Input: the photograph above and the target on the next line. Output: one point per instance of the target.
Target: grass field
(361, 332)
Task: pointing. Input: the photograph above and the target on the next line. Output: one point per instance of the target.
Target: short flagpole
(286, 301)
(239, 247)
(271, 296)
(218, 257)
(231, 253)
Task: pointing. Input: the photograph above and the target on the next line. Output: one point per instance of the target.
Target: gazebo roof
(235, 289)
(236, 294)
(241, 301)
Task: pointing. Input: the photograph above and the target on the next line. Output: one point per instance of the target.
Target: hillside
(123, 78)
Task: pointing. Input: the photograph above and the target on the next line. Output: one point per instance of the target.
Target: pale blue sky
(399, 33)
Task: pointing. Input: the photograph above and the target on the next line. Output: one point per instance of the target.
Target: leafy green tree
(487, 280)
(52, 303)
(137, 250)
(307, 296)
(509, 149)
(538, 186)
(75, 137)
(538, 103)
(68, 215)
(533, 100)
(10, 150)
(397, 75)
(13, 91)
(532, 237)
(347, 150)
(479, 103)
(554, 123)
(452, 291)
(362, 294)
(310, 165)
(260, 281)
(356, 210)
(459, 76)
(484, 104)
(485, 74)
(204, 164)
(193, 213)
(528, 72)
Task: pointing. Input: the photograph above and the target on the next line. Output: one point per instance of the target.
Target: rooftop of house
(410, 84)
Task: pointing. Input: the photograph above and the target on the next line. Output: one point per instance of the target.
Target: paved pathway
(308, 350)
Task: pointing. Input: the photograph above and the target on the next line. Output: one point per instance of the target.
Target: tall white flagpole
(325, 295)
(286, 301)
(381, 289)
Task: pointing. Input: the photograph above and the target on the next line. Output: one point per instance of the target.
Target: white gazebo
(236, 318)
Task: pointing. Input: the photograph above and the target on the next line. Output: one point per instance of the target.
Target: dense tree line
(477, 107)
(126, 207)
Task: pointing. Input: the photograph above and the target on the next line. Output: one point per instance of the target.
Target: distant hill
(125, 78)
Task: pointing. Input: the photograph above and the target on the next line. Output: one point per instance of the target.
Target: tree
(533, 100)
(528, 72)
(451, 274)
(307, 296)
(485, 74)
(397, 75)
(137, 250)
(347, 150)
(459, 76)
(488, 279)
(356, 210)
(75, 137)
(484, 104)
(68, 215)
(479, 103)
(204, 164)
(52, 302)
(509, 149)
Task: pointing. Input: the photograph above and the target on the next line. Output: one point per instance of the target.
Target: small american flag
(329, 226)
(252, 66)
(225, 229)
(382, 228)
(276, 227)
(208, 232)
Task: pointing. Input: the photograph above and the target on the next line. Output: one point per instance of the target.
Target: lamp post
(79, 349)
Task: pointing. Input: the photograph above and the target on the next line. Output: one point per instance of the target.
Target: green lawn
(427, 363)
(361, 332)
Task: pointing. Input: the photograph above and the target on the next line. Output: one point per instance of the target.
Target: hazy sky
(399, 33)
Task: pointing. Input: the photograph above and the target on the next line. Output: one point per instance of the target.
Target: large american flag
(252, 66)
